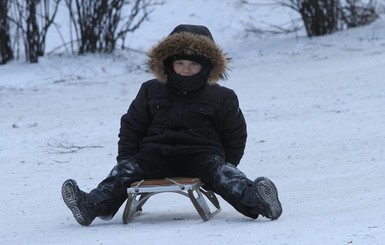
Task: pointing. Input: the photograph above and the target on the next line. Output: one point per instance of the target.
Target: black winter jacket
(208, 120)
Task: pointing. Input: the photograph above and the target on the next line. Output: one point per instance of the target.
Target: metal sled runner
(141, 191)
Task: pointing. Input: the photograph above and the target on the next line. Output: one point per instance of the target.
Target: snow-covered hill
(315, 113)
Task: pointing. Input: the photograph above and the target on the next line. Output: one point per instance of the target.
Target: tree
(6, 52)
(33, 18)
(321, 17)
(355, 13)
(99, 24)
(32, 32)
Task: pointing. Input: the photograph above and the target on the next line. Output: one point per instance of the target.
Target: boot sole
(268, 194)
(71, 199)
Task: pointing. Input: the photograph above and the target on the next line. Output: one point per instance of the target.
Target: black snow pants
(221, 177)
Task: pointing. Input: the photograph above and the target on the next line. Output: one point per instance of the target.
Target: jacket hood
(188, 40)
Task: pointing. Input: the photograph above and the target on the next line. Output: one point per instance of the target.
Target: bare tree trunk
(6, 52)
(320, 17)
(32, 42)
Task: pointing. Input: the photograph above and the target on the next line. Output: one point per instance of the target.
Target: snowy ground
(315, 113)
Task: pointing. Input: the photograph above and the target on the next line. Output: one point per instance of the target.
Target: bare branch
(63, 147)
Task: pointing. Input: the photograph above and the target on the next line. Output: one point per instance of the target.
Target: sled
(141, 191)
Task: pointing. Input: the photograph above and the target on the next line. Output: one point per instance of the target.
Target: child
(181, 124)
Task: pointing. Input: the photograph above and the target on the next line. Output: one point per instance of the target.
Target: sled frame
(141, 191)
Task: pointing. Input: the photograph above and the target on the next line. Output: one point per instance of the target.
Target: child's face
(186, 67)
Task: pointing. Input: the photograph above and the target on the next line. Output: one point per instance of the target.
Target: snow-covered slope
(315, 113)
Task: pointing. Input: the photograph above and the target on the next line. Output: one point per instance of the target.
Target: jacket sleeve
(133, 126)
(233, 129)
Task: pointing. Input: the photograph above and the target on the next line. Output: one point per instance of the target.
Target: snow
(315, 114)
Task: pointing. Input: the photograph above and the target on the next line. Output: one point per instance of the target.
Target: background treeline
(100, 25)
(327, 16)
(95, 25)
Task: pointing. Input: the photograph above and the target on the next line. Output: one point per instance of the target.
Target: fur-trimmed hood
(188, 40)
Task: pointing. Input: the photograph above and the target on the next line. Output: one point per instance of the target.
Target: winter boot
(85, 207)
(267, 195)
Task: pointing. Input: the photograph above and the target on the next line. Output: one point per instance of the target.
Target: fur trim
(190, 44)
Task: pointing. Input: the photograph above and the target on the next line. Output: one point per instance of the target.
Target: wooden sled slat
(141, 191)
